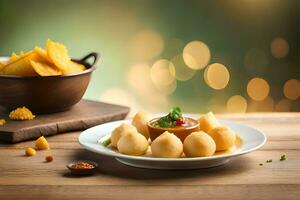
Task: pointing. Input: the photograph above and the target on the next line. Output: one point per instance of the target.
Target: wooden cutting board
(83, 115)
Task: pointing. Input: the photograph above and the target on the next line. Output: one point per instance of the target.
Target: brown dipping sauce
(190, 125)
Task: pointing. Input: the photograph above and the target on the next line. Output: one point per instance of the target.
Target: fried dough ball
(30, 151)
(122, 130)
(140, 121)
(223, 136)
(208, 122)
(167, 145)
(199, 144)
(133, 143)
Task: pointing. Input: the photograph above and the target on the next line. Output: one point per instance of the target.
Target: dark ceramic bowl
(47, 94)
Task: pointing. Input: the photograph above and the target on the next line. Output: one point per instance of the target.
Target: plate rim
(102, 150)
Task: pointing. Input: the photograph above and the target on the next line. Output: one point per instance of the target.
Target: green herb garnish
(269, 161)
(106, 142)
(172, 119)
(282, 158)
(260, 164)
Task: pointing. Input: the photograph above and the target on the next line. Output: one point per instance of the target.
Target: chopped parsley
(106, 142)
(269, 161)
(260, 164)
(174, 118)
(282, 158)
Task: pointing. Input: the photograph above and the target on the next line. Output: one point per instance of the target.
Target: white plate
(251, 137)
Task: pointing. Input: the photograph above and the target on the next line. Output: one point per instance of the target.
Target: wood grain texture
(82, 116)
(242, 178)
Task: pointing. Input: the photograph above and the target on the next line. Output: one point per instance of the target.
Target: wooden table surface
(242, 178)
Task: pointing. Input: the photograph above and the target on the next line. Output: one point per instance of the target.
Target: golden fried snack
(133, 143)
(120, 131)
(13, 57)
(2, 65)
(21, 114)
(21, 66)
(30, 151)
(199, 144)
(41, 143)
(140, 121)
(208, 122)
(2, 122)
(223, 136)
(43, 54)
(167, 145)
(58, 54)
(45, 69)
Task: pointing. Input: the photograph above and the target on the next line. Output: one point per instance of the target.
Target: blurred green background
(222, 55)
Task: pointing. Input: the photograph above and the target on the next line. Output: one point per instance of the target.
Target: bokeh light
(161, 73)
(121, 97)
(216, 76)
(146, 44)
(256, 61)
(266, 105)
(196, 55)
(236, 104)
(258, 89)
(279, 47)
(181, 72)
(291, 89)
(139, 77)
(284, 105)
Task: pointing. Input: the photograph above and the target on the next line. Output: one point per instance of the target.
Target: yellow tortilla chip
(42, 53)
(21, 66)
(13, 57)
(58, 53)
(2, 65)
(45, 69)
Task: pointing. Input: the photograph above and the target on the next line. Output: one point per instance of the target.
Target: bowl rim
(88, 70)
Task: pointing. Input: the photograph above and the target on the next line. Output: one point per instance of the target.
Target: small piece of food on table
(223, 136)
(208, 122)
(58, 54)
(2, 122)
(133, 143)
(22, 113)
(282, 158)
(30, 151)
(140, 121)
(121, 131)
(199, 144)
(167, 145)
(269, 161)
(49, 158)
(41, 143)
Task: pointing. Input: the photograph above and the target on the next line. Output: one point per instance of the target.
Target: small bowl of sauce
(82, 167)
(174, 123)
